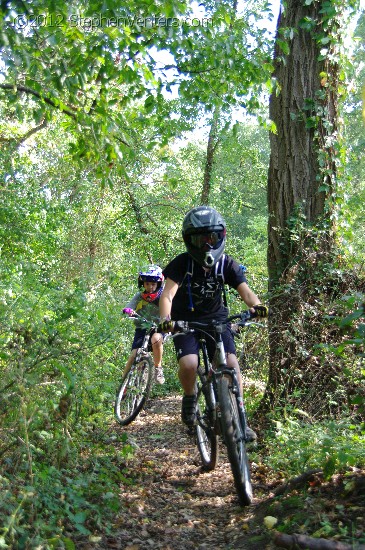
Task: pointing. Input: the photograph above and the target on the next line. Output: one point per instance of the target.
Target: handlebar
(242, 319)
(135, 316)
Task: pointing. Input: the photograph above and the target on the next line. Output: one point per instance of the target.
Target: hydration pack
(218, 275)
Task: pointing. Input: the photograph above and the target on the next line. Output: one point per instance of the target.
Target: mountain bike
(220, 408)
(136, 384)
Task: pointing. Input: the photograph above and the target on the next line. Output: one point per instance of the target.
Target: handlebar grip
(128, 311)
(261, 311)
(173, 326)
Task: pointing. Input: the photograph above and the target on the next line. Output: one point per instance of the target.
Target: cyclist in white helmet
(146, 303)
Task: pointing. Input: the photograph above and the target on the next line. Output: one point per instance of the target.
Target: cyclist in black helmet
(145, 303)
(194, 291)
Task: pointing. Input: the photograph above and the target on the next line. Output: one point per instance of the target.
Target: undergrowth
(331, 445)
(53, 506)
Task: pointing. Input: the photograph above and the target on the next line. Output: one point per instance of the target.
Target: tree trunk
(304, 106)
(213, 141)
(302, 175)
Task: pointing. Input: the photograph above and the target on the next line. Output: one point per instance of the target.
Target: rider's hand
(128, 311)
(166, 326)
(261, 311)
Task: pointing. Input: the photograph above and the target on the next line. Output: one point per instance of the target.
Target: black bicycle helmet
(204, 234)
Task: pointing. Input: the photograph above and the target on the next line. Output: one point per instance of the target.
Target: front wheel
(133, 391)
(207, 440)
(233, 436)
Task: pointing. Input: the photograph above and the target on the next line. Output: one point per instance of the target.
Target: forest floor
(169, 503)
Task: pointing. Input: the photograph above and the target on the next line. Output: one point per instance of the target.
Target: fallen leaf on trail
(270, 521)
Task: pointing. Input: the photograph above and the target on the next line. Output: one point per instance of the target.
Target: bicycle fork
(231, 374)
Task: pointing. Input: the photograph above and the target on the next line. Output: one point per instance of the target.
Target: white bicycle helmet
(151, 273)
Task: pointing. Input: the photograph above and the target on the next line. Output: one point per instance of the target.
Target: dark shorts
(186, 344)
(139, 335)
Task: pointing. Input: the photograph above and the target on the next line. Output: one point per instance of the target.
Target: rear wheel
(207, 440)
(233, 435)
(133, 391)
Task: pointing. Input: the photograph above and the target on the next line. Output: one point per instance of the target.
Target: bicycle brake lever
(247, 315)
(181, 326)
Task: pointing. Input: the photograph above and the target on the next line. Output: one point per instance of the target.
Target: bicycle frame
(143, 350)
(220, 368)
(225, 405)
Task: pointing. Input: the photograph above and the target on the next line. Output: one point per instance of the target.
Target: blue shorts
(186, 344)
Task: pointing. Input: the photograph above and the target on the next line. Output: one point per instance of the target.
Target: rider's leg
(187, 373)
(129, 361)
(187, 347)
(137, 343)
(188, 365)
(157, 349)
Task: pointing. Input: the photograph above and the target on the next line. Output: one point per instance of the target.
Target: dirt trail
(173, 504)
(169, 503)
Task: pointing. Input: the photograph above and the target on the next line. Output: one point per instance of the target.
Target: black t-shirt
(201, 289)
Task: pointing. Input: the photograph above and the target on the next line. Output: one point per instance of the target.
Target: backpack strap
(219, 275)
(189, 275)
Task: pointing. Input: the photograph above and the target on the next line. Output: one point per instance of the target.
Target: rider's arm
(166, 298)
(247, 295)
(132, 304)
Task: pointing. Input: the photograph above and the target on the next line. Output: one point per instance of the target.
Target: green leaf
(80, 517)
(284, 46)
(347, 321)
(150, 103)
(69, 545)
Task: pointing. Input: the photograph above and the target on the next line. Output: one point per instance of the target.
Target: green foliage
(92, 186)
(297, 445)
(313, 376)
(94, 62)
(351, 344)
(56, 501)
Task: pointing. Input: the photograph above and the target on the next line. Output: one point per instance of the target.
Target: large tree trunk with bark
(302, 175)
(304, 108)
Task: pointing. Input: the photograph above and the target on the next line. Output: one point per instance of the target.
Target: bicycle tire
(206, 438)
(133, 391)
(234, 439)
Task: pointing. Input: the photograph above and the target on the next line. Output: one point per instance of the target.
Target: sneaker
(188, 410)
(250, 435)
(159, 376)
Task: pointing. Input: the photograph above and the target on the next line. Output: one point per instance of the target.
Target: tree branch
(298, 481)
(180, 70)
(30, 91)
(32, 131)
(309, 543)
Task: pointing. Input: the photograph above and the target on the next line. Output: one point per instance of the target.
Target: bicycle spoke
(133, 391)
